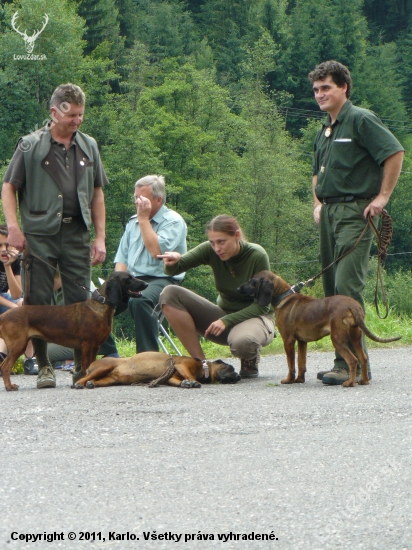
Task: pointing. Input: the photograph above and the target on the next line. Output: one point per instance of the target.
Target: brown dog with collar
(83, 325)
(307, 319)
(145, 367)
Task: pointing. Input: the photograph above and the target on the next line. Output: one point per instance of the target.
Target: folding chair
(163, 333)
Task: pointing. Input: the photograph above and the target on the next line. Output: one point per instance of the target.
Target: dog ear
(265, 293)
(114, 291)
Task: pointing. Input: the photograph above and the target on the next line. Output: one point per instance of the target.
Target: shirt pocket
(343, 154)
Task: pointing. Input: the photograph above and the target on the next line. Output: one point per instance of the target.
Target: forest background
(214, 95)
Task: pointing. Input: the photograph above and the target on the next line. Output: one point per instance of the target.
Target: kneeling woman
(236, 320)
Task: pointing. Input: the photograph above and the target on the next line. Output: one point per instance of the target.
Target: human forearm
(9, 203)
(317, 205)
(150, 238)
(14, 283)
(98, 212)
(391, 172)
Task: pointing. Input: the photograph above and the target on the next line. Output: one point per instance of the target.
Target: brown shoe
(249, 367)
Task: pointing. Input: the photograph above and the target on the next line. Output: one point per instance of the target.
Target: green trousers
(340, 226)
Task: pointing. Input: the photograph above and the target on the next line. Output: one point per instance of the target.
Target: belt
(345, 198)
(69, 219)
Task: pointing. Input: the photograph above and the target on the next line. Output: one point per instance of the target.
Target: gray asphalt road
(310, 466)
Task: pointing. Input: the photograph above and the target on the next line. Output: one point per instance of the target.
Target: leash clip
(297, 287)
(98, 297)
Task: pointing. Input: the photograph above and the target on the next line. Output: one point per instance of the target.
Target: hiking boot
(31, 366)
(322, 373)
(339, 375)
(46, 378)
(249, 367)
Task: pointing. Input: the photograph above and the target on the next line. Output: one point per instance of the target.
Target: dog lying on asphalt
(307, 319)
(150, 366)
(83, 325)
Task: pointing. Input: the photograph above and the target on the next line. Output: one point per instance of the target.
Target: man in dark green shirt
(357, 162)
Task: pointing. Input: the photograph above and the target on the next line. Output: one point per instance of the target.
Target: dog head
(223, 372)
(261, 286)
(121, 286)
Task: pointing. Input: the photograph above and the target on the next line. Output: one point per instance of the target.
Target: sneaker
(31, 366)
(322, 373)
(46, 378)
(249, 367)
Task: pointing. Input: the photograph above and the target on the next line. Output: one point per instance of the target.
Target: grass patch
(393, 325)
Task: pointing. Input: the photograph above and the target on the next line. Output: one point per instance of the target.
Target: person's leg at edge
(41, 278)
(350, 272)
(74, 261)
(247, 339)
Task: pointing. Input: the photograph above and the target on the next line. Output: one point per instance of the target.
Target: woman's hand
(170, 258)
(216, 328)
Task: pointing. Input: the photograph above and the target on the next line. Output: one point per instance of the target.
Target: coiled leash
(383, 238)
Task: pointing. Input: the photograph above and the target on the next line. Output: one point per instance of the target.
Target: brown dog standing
(307, 319)
(83, 325)
(151, 365)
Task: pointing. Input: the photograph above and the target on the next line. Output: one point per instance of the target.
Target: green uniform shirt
(229, 275)
(350, 161)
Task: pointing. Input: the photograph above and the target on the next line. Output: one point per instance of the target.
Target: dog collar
(98, 297)
(277, 299)
(205, 368)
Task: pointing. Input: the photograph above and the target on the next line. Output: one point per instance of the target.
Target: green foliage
(214, 95)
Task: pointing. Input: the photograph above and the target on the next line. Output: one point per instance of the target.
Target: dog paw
(76, 387)
(348, 384)
(287, 381)
(300, 380)
(363, 382)
(190, 384)
(12, 387)
(90, 385)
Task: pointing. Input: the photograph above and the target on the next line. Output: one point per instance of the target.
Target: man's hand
(98, 252)
(375, 207)
(143, 208)
(16, 238)
(170, 258)
(316, 212)
(216, 328)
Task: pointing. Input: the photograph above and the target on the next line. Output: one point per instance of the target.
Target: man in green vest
(56, 177)
(357, 162)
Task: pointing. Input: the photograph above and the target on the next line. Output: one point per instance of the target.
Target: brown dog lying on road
(151, 365)
(83, 325)
(307, 319)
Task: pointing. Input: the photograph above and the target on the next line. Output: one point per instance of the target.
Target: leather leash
(24, 258)
(168, 373)
(383, 237)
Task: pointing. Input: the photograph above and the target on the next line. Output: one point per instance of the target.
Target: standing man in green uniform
(56, 177)
(357, 162)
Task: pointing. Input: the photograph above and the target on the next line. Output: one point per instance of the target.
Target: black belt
(69, 219)
(345, 198)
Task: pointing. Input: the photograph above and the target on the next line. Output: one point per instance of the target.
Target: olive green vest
(41, 200)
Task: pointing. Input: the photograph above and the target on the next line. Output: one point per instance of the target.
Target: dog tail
(361, 324)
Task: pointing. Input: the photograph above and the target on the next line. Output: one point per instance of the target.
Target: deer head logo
(29, 40)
